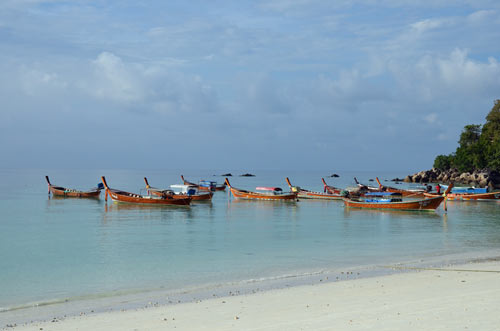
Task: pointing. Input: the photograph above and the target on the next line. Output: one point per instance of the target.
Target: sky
(260, 84)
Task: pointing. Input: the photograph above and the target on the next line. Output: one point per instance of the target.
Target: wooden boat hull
(240, 194)
(491, 196)
(205, 196)
(127, 197)
(330, 189)
(71, 193)
(120, 196)
(422, 204)
(306, 194)
(243, 194)
(203, 188)
(221, 187)
(318, 195)
(404, 193)
(467, 189)
(194, 197)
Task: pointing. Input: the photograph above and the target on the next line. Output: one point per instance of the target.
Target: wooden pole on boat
(48, 182)
(446, 196)
(226, 182)
(380, 186)
(106, 187)
(324, 184)
(147, 185)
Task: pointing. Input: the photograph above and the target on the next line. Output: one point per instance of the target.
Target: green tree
(443, 162)
(468, 155)
(479, 147)
(470, 135)
(490, 138)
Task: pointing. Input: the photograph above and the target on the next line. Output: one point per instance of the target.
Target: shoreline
(64, 309)
(459, 297)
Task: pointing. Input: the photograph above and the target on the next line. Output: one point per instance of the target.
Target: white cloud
(431, 118)
(323, 69)
(35, 82)
(443, 137)
(461, 73)
(115, 80)
(426, 25)
(482, 16)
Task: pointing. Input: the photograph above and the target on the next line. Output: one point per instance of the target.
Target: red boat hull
(306, 194)
(422, 204)
(71, 193)
(204, 188)
(122, 196)
(243, 194)
(468, 196)
(194, 197)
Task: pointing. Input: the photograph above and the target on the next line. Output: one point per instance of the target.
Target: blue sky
(277, 84)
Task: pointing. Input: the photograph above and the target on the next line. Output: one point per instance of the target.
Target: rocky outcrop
(479, 178)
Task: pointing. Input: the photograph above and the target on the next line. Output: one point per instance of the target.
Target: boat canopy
(383, 194)
(206, 183)
(465, 189)
(189, 189)
(274, 189)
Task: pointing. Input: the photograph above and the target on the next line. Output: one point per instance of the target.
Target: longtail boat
(466, 189)
(394, 201)
(330, 189)
(306, 194)
(271, 193)
(469, 196)
(184, 191)
(366, 187)
(417, 193)
(122, 196)
(72, 193)
(205, 185)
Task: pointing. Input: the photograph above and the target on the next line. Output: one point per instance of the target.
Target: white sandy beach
(450, 299)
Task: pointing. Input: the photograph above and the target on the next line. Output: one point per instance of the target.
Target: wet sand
(456, 297)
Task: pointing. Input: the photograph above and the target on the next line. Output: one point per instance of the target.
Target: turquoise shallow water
(54, 249)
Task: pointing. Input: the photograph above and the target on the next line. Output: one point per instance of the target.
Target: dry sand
(418, 300)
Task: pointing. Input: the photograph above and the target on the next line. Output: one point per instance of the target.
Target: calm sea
(54, 249)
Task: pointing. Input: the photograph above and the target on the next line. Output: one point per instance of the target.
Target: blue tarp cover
(382, 194)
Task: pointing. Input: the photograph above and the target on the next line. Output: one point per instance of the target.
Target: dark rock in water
(247, 175)
(334, 175)
(479, 178)
(397, 180)
(370, 180)
(227, 175)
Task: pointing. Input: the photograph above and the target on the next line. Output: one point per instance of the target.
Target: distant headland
(476, 160)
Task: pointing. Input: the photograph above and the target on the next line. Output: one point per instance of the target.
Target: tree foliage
(479, 147)
(443, 162)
